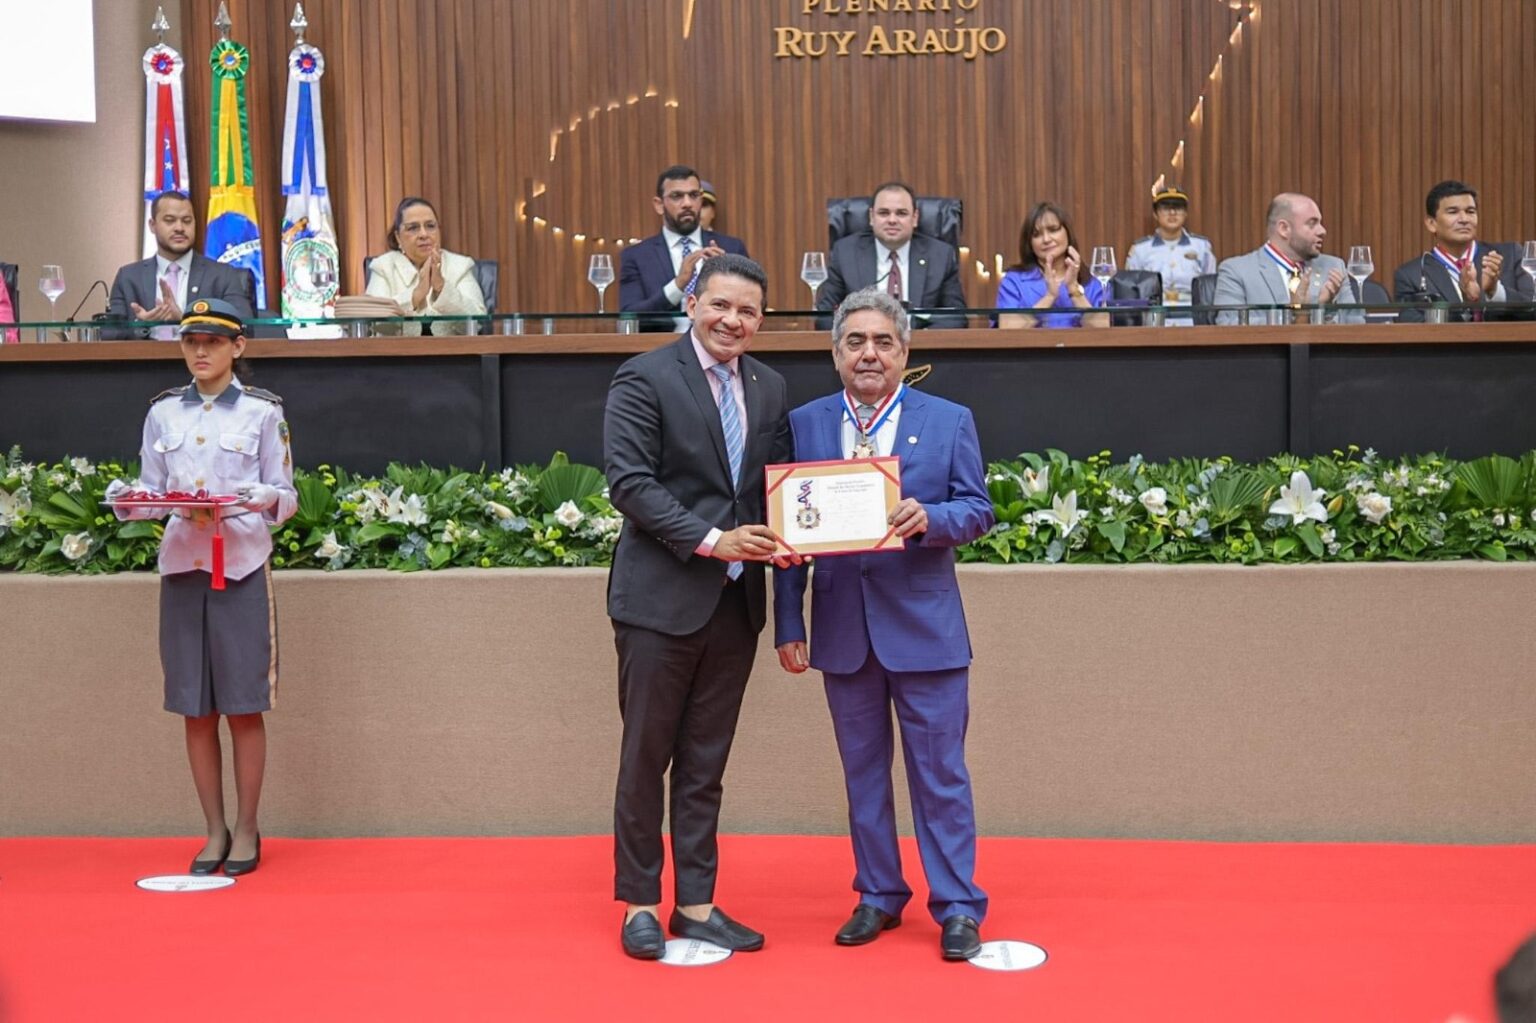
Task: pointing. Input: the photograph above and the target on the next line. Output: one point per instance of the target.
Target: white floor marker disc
(692, 952)
(184, 883)
(1008, 955)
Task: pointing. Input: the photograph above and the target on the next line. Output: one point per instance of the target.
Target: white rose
(329, 546)
(1374, 506)
(76, 545)
(1155, 501)
(568, 515)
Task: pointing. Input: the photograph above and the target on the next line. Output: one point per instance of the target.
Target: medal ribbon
(1453, 264)
(882, 411)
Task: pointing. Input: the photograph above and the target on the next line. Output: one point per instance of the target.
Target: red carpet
(521, 929)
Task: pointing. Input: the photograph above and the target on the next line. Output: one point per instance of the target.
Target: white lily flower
(14, 506)
(1037, 483)
(1062, 513)
(501, 511)
(82, 466)
(75, 546)
(1375, 507)
(1300, 501)
(1155, 501)
(330, 547)
(411, 511)
(568, 515)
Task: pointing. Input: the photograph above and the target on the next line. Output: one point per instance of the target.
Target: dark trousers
(679, 697)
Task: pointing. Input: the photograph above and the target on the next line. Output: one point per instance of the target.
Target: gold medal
(864, 447)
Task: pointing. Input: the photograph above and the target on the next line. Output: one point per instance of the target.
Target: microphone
(87, 295)
(1424, 277)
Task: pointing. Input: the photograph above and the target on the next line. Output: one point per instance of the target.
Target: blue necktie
(730, 424)
(693, 282)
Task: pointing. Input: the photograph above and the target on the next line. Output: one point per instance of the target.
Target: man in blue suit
(889, 627)
(656, 275)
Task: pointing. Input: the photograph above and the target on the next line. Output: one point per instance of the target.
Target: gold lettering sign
(882, 40)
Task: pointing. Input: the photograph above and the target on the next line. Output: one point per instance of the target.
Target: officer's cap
(707, 192)
(212, 316)
(1170, 195)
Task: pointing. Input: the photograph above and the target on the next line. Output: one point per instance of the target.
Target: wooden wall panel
(570, 108)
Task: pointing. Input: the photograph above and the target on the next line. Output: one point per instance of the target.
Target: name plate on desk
(837, 507)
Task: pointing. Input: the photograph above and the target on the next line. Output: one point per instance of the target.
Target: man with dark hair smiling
(657, 275)
(1457, 268)
(918, 270)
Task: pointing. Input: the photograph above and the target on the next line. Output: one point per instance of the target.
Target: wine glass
(51, 284)
(600, 275)
(813, 271)
(1102, 267)
(1528, 262)
(1360, 266)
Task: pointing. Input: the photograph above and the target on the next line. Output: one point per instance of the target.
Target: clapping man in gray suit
(1289, 268)
(687, 430)
(157, 289)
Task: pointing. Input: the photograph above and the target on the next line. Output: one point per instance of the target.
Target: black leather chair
(11, 274)
(936, 217)
(1202, 292)
(1137, 289)
(487, 275)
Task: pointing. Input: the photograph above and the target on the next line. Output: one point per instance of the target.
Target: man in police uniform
(1173, 252)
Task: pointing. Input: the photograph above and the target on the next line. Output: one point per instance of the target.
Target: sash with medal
(1290, 268)
(864, 432)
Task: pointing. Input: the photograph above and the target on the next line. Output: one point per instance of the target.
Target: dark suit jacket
(1427, 280)
(664, 453)
(933, 266)
(644, 271)
(905, 605)
(138, 282)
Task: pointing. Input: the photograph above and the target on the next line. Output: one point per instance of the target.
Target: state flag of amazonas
(233, 235)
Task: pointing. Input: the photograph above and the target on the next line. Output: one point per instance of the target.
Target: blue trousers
(933, 709)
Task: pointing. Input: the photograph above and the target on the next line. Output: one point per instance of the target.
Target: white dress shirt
(885, 437)
(883, 267)
(675, 250)
(706, 547)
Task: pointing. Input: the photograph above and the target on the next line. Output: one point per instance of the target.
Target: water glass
(600, 275)
(51, 284)
(1360, 266)
(1102, 266)
(813, 271)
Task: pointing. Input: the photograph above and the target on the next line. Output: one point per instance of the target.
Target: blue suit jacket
(644, 271)
(905, 605)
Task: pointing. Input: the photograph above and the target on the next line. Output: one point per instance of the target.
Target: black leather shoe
(234, 868)
(209, 866)
(642, 937)
(961, 938)
(865, 925)
(719, 929)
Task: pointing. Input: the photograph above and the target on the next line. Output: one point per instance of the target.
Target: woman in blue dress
(1049, 280)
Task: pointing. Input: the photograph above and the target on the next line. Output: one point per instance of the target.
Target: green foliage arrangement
(1343, 507)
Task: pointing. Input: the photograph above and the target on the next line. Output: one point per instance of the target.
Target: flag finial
(299, 22)
(160, 26)
(222, 22)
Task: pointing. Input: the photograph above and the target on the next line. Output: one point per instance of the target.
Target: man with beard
(159, 288)
(1290, 268)
(658, 274)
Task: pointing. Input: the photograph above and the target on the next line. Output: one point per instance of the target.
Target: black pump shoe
(209, 866)
(234, 868)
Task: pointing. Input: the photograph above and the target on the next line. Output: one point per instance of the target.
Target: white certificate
(837, 507)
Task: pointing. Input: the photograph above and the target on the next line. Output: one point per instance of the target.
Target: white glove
(258, 496)
(115, 488)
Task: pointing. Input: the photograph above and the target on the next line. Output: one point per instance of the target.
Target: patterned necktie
(693, 282)
(173, 281)
(866, 413)
(893, 279)
(730, 423)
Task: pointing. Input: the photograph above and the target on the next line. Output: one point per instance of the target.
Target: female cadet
(218, 647)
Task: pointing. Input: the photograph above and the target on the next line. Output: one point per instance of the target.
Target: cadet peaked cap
(707, 192)
(211, 316)
(1170, 194)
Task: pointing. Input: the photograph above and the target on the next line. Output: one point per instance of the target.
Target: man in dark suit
(921, 271)
(1457, 268)
(890, 628)
(656, 275)
(160, 287)
(687, 431)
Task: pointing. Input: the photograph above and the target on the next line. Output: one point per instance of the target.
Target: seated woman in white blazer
(421, 276)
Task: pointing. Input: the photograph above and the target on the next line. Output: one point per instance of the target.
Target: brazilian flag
(233, 235)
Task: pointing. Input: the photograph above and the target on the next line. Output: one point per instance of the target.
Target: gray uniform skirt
(218, 647)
